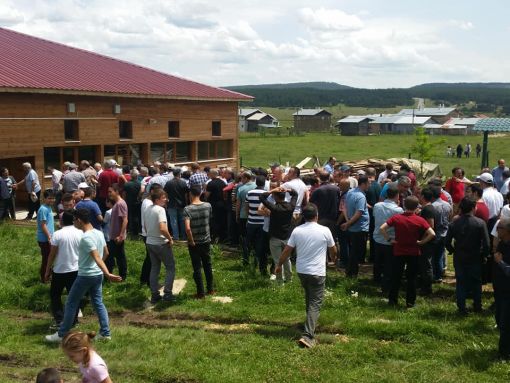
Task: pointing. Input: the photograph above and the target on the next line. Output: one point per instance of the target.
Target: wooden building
(312, 120)
(59, 103)
(354, 126)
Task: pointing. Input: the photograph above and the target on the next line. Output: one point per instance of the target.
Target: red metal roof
(30, 63)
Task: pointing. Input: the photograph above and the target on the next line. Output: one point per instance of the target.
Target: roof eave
(245, 98)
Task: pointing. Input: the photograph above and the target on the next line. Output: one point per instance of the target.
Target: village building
(250, 120)
(356, 125)
(440, 114)
(312, 120)
(59, 103)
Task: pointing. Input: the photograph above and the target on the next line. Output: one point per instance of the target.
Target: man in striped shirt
(255, 224)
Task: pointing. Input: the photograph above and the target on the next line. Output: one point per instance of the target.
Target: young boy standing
(411, 232)
(45, 229)
(196, 223)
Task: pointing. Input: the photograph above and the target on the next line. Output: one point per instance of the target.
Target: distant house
(243, 114)
(398, 124)
(453, 127)
(354, 125)
(440, 115)
(312, 120)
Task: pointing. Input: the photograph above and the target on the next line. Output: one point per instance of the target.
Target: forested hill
(488, 97)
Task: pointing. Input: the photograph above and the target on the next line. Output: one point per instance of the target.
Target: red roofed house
(59, 103)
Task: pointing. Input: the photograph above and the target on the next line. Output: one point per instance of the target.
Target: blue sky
(362, 43)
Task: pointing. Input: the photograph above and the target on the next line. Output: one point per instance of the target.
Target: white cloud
(462, 24)
(10, 16)
(329, 19)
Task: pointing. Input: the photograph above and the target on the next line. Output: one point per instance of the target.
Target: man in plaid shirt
(198, 177)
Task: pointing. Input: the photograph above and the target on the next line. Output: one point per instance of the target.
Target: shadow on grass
(477, 360)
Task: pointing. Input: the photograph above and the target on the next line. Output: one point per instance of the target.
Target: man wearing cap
(345, 172)
(497, 173)
(492, 198)
(72, 179)
(106, 179)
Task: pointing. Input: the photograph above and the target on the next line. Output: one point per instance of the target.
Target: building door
(16, 170)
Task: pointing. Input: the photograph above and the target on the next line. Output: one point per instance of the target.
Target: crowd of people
(275, 218)
(460, 150)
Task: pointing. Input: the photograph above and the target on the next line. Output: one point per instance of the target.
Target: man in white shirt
(295, 183)
(492, 198)
(386, 174)
(63, 260)
(159, 243)
(312, 243)
(506, 183)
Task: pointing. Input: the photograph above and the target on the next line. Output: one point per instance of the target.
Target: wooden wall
(30, 122)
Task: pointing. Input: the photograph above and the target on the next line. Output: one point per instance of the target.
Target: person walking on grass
(91, 271)
(118, 231)
(468, 240)
(45, 229)
(33, 188)
(312, 243)
(62, 266)
(411, 232)
(196, 223)
(159, 244)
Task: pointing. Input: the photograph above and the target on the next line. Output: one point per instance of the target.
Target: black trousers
(59, 282)
(33, 207)
(357, 250)
(201, 258)
(146, 266)
(425, 268)
(382, 265)
(117, 256)
(410, 263)
(134, 219)
(502, 301)
(219, 221)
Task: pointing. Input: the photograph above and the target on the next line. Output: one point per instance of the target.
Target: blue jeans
(176, 216)
(438, 261)
(81, 286)
(469, 280)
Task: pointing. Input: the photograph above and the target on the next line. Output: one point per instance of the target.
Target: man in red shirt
(475, 192)
(455, 186)
(107, 178)
(411, 232)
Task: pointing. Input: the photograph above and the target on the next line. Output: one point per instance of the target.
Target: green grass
(251, 339)
(260, 151)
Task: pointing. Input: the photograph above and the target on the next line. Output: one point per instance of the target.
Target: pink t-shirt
(119, 211)
(96, 371)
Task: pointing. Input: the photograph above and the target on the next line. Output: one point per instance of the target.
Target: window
(71, 130)
(208, 150)
(173, 129)
(216, 128)
(51, 158)
(126, 130)
(182, 152)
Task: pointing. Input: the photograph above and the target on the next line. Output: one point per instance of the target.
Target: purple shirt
(119, 211)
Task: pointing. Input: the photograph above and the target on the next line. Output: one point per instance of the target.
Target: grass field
(251, 339)
(259, 151)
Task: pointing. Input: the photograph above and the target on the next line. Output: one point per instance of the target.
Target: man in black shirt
(470, 250)
(428, 212)
(177, 191)
(280, 225)
(214, 195)
(327, 199)
(501, 283)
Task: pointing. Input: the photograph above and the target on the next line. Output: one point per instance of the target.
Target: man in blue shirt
(330, 165)
(357, 225)
(497, 173)
(45, 229)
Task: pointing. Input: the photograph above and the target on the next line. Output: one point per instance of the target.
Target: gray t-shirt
(153, 216)
(199, 216)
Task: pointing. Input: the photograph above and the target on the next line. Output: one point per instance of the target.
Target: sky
(360, 43)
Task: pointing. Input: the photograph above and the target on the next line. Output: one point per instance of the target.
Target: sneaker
(53, 338)
(155, 299)
(305, 342)
(169, 298)
(272, 277)
(80, 314)
(54, 326)
(103, 337)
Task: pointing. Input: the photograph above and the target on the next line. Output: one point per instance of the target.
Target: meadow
(260, 151)
(251, 339)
